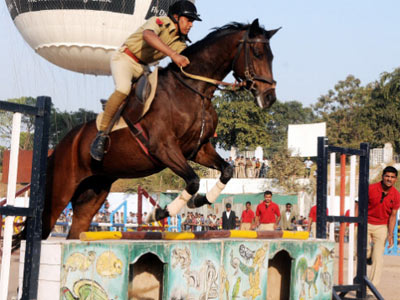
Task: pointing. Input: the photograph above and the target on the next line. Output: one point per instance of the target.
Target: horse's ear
(270, 33)
(254, 28)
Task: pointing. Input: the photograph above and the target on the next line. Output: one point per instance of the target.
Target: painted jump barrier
(201, 265)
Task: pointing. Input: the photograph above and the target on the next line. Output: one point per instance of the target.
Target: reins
(212, 81)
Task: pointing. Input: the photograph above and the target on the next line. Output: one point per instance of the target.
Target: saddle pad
(120, 123)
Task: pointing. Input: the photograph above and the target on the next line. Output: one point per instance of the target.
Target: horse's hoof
(157, 214)
(197, 201)
(151, 217)
(192, 201)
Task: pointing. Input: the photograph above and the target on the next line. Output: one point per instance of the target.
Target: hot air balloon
(80, 35)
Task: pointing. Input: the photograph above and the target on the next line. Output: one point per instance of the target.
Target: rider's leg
(123, 69)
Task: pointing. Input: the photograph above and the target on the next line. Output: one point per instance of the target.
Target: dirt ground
(387, 287)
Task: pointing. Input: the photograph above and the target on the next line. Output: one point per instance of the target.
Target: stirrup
(98, 145)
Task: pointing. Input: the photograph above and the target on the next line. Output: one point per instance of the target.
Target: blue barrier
(395, 250)
(178, 227)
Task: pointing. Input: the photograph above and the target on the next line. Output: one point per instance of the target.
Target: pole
(342, 225)
(9, 221)
(332, 202)
(350, 268)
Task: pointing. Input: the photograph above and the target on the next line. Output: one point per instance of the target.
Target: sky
(320, 43)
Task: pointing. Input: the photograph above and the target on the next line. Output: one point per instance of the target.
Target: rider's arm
(154, 41)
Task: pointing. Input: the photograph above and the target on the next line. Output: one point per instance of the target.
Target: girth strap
(141, 137)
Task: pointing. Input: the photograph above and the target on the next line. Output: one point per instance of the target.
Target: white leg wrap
(175, 206)
(215, 191)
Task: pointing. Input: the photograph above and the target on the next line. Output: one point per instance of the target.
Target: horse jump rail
(200, 235)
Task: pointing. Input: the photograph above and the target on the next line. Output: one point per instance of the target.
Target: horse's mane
(216, 34)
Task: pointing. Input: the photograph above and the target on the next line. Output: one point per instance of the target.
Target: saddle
(144, 90)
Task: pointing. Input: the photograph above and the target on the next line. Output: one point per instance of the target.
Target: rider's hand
(180, 60)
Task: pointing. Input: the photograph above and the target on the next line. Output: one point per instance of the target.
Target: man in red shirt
(312, 221)
(267, 213)
(247, 217)
(383, 203)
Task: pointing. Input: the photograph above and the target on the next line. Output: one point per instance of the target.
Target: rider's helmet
(183, 8)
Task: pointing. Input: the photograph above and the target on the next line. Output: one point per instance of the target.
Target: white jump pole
(11, 190)
(332, 175)
(350, 268)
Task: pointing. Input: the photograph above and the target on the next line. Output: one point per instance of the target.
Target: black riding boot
(97, 146)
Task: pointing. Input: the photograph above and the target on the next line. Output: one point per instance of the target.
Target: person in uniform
(157, 38)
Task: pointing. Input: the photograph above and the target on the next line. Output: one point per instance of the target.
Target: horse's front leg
(171, 156)
(208, 157)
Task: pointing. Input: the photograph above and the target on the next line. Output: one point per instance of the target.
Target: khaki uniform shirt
(165, 29)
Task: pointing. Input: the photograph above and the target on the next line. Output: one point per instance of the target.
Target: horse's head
(253, 64)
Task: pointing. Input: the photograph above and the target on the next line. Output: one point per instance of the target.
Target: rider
(157, 38)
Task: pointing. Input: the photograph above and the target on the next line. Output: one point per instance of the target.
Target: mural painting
(199, 270)
(245, 263)
(95, 271)
(193, 270)
(312, 268)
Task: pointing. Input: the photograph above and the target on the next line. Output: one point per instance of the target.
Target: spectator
(228, 218)
(249, 168)
(383, 204)
(288, 220)
(242, 167)
(312, 221)
(264, 168)
(213, 222)
(237, 223)
(308, 164)
(247, 217)
(257, 169)
(236, 170)
(267, 213)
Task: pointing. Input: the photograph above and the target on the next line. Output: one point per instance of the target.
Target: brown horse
(178, 125)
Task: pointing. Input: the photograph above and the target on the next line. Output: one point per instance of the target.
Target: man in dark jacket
(228, 218)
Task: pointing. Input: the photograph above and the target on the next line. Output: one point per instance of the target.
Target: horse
(179, 125)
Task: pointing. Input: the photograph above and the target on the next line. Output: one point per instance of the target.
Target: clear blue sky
(321, 42)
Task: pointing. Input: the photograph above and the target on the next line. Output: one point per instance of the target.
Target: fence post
(38, 182)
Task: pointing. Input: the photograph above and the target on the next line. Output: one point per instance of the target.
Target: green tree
(343, 111)
(286, 169)
(241, 122)
(62, 122)
(383, 110)
(282, 114)
(27, 124)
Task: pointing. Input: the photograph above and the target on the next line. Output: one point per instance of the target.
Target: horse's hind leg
(87, 200)
(208, 157)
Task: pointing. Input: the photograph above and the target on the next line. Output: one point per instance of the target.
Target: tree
(282, 114)
(241, 122)
(62, 122)
(383, 110)
(27, 124)
(343, 111)
(286, 169)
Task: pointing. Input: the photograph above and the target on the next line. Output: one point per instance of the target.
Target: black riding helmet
(183, 8)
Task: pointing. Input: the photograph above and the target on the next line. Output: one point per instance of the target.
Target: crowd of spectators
(245, 167)
(192, 221)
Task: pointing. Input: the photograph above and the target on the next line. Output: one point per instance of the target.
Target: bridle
(250, 77)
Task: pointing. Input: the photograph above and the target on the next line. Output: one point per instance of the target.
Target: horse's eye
(257, 52)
